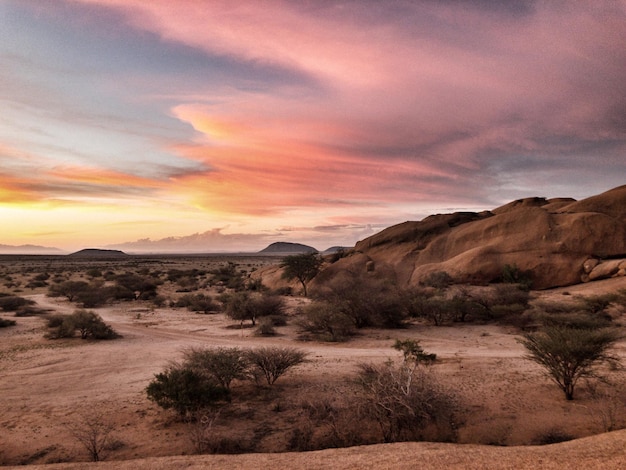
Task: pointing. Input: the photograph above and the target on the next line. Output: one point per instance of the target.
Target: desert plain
(507, 403)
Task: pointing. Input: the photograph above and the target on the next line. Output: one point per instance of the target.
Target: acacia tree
(568, 353)
(244, 306)
(273, 362)
(302, 267)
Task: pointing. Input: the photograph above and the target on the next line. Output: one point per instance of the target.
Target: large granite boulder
(558, 242)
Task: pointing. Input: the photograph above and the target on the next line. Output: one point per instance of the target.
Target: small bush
(272, 362)
(5, 322)
(87, 323)
(185, 390)
(12, 303)
(596, 304)
(438, 280)
(366, 301)
(244, 306)
(197, 303)
(221, 365)
(56, 320)
(511, 274)
(29, 311)
(324, 322)
(552, 436)
(265, 328)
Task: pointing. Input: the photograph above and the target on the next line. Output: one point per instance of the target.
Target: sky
(220, 125)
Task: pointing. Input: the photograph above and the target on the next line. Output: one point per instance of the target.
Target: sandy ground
(46, 384)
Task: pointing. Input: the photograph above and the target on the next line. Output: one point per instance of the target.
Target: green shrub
(185, 390)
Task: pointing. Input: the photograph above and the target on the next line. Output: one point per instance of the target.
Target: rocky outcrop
(558, 242)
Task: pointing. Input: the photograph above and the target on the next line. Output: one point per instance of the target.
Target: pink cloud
(422, 101)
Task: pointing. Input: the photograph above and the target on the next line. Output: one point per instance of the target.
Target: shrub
(88, 323)
(12, 303)
(185, 390)
(324, 322)
(222, 365)
(265, 328)
(596, 304)
(272, 362)
(93, 431)
(552, 436)
(30, 311)
(511, 274)
(142, 287)
(197, 303)
(438, 280)
(366, 301)
(68, 289)
(5, 322)
(228, 276)
(245, 306)
(406, 402)
(56, 320)
(94, 272)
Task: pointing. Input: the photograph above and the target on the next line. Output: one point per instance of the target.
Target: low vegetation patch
(88, 324)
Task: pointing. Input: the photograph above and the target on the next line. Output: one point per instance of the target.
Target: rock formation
(558, 242)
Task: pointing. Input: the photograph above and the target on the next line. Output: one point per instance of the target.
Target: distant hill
(335, 249)
(29, 250)
(287, 248)
(98, 253)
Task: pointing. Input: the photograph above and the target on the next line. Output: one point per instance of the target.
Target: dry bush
(407, 403)
(202, 430)
(272, 362)
(93, 430)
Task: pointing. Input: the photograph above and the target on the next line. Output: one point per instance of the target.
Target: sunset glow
(231, 125)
